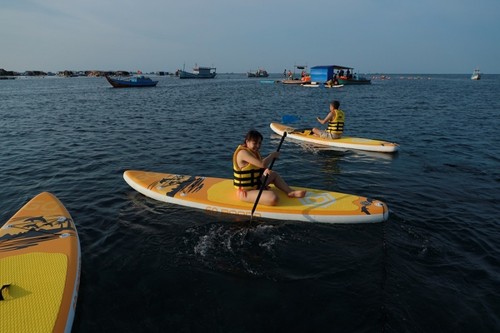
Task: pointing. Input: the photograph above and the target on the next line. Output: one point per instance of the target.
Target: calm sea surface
(149, 266)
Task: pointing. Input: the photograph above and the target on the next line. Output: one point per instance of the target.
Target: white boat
(476, 75)
(198, 73)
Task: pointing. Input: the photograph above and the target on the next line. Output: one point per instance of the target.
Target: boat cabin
(204, 70)
(341, 74)
(322, 74)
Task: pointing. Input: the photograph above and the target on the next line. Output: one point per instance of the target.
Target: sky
(373, 36)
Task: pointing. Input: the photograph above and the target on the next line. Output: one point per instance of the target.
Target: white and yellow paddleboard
(347, 142)
(217, 195)
(39, 268)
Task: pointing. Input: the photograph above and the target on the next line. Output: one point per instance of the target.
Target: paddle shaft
(263, 186)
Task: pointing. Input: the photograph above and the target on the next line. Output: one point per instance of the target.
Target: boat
(337, 75)
(476, 75)
(293, 81)
(258, 73)
(353, 79)
(313, 84)
(136, 81)
(292, 78)
(218, 196)
(345, 142)
(198, 73)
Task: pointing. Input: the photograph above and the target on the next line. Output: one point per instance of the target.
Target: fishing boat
(258, 73)
(138, 81)
(198, 73)
(476, 75)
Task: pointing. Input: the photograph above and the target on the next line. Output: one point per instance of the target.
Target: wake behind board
(344, 142)
(217, 195)
(39, 268)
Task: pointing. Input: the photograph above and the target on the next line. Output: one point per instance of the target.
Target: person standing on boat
(335, 119)
(250, 169)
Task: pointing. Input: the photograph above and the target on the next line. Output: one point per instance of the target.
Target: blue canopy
(322, 74)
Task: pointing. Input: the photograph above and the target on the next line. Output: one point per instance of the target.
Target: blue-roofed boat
(337, 75)
(136, 81)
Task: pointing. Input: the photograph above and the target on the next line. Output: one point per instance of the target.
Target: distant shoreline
(98, 73)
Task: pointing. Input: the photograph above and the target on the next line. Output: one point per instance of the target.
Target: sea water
(149, 266)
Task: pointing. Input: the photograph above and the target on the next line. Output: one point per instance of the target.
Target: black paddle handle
(263, 186)
(277, 150)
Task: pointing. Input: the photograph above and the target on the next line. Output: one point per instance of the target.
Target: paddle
(265, 178)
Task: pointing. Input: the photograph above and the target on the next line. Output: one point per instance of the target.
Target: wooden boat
(136, 81)
(199, 73)
(258, 73)
(476, 75)
(292, 78)
(293, 81)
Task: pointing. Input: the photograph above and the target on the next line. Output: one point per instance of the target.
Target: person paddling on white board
(250, 171)
(335, 119)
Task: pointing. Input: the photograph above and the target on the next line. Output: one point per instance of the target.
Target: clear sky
(385, 36)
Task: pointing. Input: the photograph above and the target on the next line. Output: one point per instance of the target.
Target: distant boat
(321, 85)
(199, 73)
(292, 78)
(136, 81)
(337, 75)
(476, 75)
(258, 73)
(354, 79)
(347, 76)
(292, 81)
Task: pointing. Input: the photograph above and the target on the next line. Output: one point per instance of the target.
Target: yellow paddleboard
(347, 142)
(39, 268)
(217, 195)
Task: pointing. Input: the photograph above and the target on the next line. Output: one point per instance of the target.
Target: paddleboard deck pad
(218, 195)
(346, 142)
(39, 268)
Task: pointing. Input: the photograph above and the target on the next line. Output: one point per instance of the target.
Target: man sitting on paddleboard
(335, 119)
(250, 169)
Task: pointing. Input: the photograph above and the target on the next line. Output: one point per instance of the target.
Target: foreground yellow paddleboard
(347, 142)
(39, 268)
(218, 195)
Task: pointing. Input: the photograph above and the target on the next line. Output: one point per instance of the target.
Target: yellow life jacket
(336, 125)
(248, 177)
